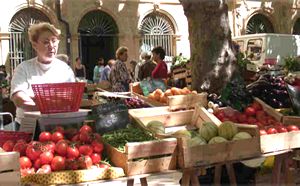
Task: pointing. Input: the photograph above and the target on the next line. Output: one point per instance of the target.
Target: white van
(263, 49)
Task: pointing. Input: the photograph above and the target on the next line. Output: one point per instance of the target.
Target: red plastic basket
(58, 97)
(14, 136)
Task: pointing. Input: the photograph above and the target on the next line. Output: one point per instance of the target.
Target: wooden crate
(162, 114)
(187, 101)
(9, 169)
(202, 155)
(150, 102)
(179, 73)
(145, 157)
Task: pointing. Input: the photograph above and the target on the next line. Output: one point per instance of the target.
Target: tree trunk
(212, 56)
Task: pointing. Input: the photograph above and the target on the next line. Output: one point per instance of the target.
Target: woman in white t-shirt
(44, 68)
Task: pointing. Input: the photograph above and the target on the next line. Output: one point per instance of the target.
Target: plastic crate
(58, 97)
(12, 135)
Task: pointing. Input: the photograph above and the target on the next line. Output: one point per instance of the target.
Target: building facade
(96, 28)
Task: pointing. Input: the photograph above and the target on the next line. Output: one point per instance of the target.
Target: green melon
(208, 130)
(227, 130)
(241, 136)
(197, 140)
(217, 139)
(182, 134)
(156, 127)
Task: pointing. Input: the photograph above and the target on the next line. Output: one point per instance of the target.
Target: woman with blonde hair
(45, 68)
(119, 75)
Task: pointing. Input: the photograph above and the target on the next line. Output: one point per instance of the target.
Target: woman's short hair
(160, 51)
(35, 30)
(120, 51)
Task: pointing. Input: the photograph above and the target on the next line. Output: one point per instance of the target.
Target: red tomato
(242, 118)
(85, 137)
(21, 141)
(220, 115)
(50, 146)
(25, 172)
(21, 148)
(96, 136)
(256, 106)
(272, 130)
(86, 150)
(46, 157)
(59, 129)
(61, 148)
(104, 165)
(37, 164)
(260, 115)
(46, 168)
(25, 162)
(56, 136)
(85, 162)
(75, 138)
(263, 132)
(72, 152)
(8, 145)
(96, 158)
(86, 128)
(33, 152)
(281, 129)
(72, 164)
(292, 128)
(58, 163)
(250, 111)
(70, 133)
(251, 120)
(97, 146)
(45, 136)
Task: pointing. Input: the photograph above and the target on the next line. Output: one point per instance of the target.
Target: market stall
(187, 133)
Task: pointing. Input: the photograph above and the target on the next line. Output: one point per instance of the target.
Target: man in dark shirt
(146, 68)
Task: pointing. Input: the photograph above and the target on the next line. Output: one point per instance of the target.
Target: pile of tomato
(60, 150)
(255, 115)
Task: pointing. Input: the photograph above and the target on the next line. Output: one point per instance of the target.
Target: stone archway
(259, 23)
(157, 30)
(98, 37)
(20, 48)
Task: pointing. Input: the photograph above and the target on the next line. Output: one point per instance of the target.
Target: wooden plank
(187, 101)
(117, 157)
(291, 120)
(150, 148)
(10, 178)
(274, 142)
(9, 161)
(150, 165)
(172, 119)
(206, 116)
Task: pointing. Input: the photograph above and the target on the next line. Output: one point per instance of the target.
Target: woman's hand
(22, 100)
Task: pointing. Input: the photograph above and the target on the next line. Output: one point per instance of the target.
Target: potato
(175, 91)
(168, 92)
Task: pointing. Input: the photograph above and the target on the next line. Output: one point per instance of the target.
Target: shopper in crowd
(139, 65)
(119, 75)
(98, 70)
(147, 67)
(45, 68)
(64, 58)
(133, 64)
(79, 69)
(106, 71)
(3, 74)
(161, 69)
